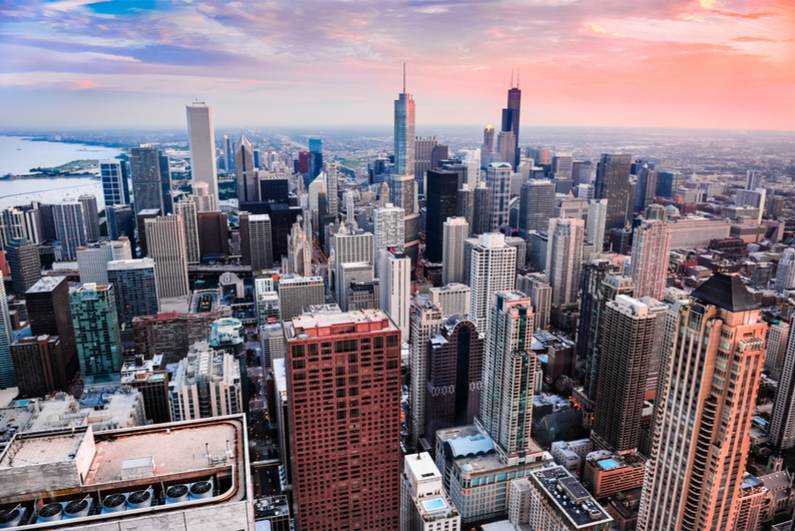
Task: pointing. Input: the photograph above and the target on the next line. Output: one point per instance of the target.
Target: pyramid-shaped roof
(727, 292)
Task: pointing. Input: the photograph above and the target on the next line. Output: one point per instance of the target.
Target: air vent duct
(52, 512)
(139, 499)
(177, 494)
(114, 503)
(201, 490)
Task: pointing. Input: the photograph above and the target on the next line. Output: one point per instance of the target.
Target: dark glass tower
(441, 204)
(147, 178)
(165, 183)
(510, 118)
(315, 159)
(612, 183)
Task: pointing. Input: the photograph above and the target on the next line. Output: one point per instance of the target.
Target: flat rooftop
(571, 500)
(45, 284)
(42, 449)
(481, 463)
(302, 324)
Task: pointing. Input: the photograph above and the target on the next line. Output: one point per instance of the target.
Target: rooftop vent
(77, 508)
(139, 499)
(52, 512)
(114, 503)
(201, 490)
(12, 517)
(177, 494)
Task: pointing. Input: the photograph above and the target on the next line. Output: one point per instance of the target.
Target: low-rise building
(559, 502)
(571, 455)
(607, 473)
(424, 505)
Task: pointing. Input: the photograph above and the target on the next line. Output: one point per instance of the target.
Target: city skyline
(695, 63)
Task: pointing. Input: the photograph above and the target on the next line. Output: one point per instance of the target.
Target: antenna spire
(511, 77)
(404, 78)
(518, 71)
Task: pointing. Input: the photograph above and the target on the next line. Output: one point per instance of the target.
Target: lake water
(19, 154)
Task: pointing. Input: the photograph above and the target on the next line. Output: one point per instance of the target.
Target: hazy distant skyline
(655, 63)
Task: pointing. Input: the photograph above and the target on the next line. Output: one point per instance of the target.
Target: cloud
(85, 83)
(753, 39)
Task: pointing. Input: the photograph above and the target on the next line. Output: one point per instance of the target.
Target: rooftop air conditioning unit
(139, 499)
(114, 503)
(77, 508)
(52, 512)
(177, 493)
(201, 490)
(12, 517)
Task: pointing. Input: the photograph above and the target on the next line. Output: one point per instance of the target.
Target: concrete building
(785, 273)
(166, 240)
(206, 384)
(319, 424)
(498, 179)
(697, 232)
(564, 259)
(632, 334)
(465, 206)
(24, 262)
(364, 296)
(299, 248)
(201, 141)
(50, 313)
(296, 293)
(202, 197)
(92, 261)
(649, 266)
(152, 383)
(682, 488)
(70, 228)
(349, 273)
(96, 326)
(536, 206)
(268, 306)
(394, 269)
(190, 224)
(388, 228)
(559, 502)
(426, 321)
(37, 366)
(91, 214)
(350, 246)
(259, 233)
(455, 231)
(571, 454)
(535, 286)
(121, 221)
(171, 334)
(608, 473)
(424, 505)
(142, 474)
(776, 347)
(597, 212)
(135, 285)
(491, 267)
(452, 299)
(782, 426)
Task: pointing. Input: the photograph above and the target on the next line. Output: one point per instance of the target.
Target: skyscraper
(165, 183)
(509, 365)
(297, 293)
(115, 182)
(121, 221)
(166, 237)
(299, 247)
(782, 427)
(35, 362)
(441, 204)
(498, 178)
(510, 119)
(202, 145)
(92, 261)
(492, 268)
(455, 230)
(70, 228)
(213, 235)
(536, 206)
(455, 369)
(597, 212)
(24, 263)
(388, 226)
(488, 139)
(785, 273)
(423, 147)
(351, 272)
(351, 246)
(246, 171)
(190, 223)
(315, 158)
(351, 433)
(612, 183)
(562, 165)
(465, 206)
(667, 183)
(259, 227)
(401, 192)
(647, 189)
(135, 288)
(333, 195)
(97, 331)
(426, 321)
(229, 155)
(776, 349)
(632, 333)
(650, 248)
(50, 313)
(506, 143)
(564, 260)
(7, 376)
(394, 270)
(713, 358)
(482, 214)
(404, 132)
(91, 216)
(147, 185)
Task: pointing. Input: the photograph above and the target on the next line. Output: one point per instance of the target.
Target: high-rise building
(296, 293)
(136, 288)
(91, 215)
(49, 313)
(441, 204)
(536, 206)
(171, 334)
(426, 321)
(115, 182)
(207, 383)
(327, 430)
(259, 233)
(753, 180)
(96, 325)
(351, 272)
(454, 231)
(453, 379)
(401, 192)
(165, 183)
(612, 183)
(488, 139)
(465, 206)
(24, 263)
(535, 286)
(190, 223)
(35, 228)
(213, 235)
(7, 375)
(152, 383)
(166, 237)
(36, 363)
(482, 215)
(394, 270)
(351, 246)
(452, 299)
(650, 248)
(246, 171)
(315, 158)
(205, 201)
(363, 296)
(510, 120)
(121, 221)
(667, 183)
(782, 427)
(564, 260)
(92, 261)
(404, 133)
(70, 228)
(509, 366)
(785, 273)
(424, 504)
(299, 247)
(423, 147)
(12, 225)
(776, 347)
(597, 212)
(333, 194)
(389, 230)
(147, 185)
(498, 178)
(506, 144)
(562, 166)
(715, 345)
(201, 133)
(646, 192)
(632, 335)
(492, 268)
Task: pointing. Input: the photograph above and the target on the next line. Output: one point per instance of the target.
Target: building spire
(518, 71)
(511, 77)
(404, 78)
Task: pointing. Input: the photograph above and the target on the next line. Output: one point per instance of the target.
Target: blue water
(19, 154)
(433, 505)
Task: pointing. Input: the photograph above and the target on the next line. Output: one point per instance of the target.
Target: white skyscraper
(650, 248)
(165, 236)
(92, 262)
(352, 272)
(205, 201)
(350, 246)
(389, 227)
(597, 211)
(333, 197)
(395, 289)
(454, 232)
(564, 260)
(471, 159)
(190, 223)
(492, 268)
(201, 134)
(259, 228)
(426, 321)
(70, 228)
(452, 299)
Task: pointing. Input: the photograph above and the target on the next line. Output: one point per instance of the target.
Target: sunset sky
(136, 63)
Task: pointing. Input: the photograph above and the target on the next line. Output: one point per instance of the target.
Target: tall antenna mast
(404, 78)
(511, 77)
(518, 71)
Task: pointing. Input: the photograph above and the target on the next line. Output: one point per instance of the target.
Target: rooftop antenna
(511, 77)
(518, 71)
(404, 78)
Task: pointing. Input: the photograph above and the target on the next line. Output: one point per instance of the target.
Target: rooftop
(364, 320)
(471, 453)
(570, 499)
(727, 292)
(46, 284)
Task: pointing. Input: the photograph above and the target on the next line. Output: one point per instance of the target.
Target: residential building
(776, 347)
(536, 206)
(564, 259)
(491, 266)
(96, 325)
(608, 473)
(259, 241)
(115, 182)
(559, 502)
(424, 505)
(171, 334)
(70, 228)
(426, 321)
(394, 271)
(152, 383)
(452, 299)
(388, 228)
(649, 266)
(455, 230)
(136, 290)
(23, 260)
(147, 185)
(785, 273)
(92, 261)
(206, 384)
(166, 237)
(50, 313)
(91, 214)
(535, 286)
(498, 179)
(296, 293)
(190, 224)
(597, 212)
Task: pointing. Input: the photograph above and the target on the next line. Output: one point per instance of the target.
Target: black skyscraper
(441, 203)
(510, 118)
(612, 183)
